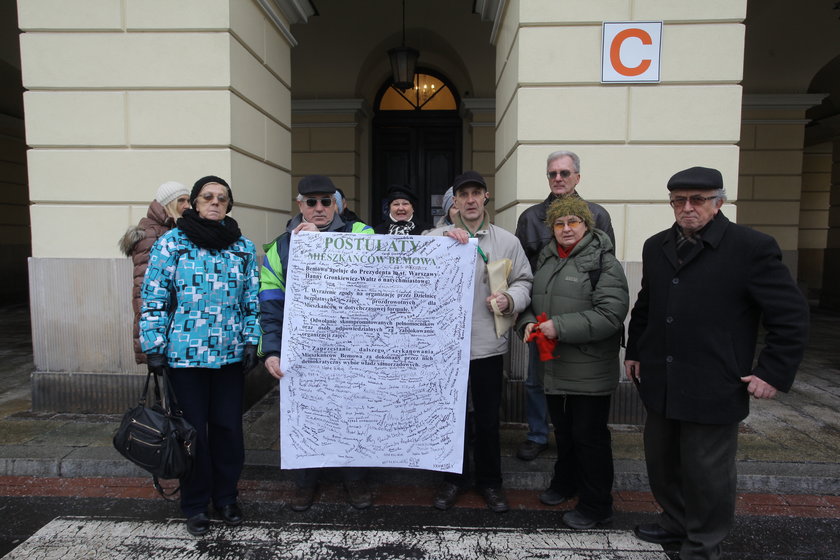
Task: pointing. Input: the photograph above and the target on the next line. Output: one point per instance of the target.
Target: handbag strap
(145, 392)
(168, 400)
(164, 494)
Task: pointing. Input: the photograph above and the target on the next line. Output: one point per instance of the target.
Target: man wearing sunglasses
(563, 174)
(318, 212)
(706, 284)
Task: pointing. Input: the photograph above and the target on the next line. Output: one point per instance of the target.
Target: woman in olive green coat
(582, 289)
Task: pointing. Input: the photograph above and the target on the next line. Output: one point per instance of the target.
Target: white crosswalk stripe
(76, 538)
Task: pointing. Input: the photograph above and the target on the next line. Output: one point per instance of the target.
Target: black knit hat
(701, 178)
(401, 191)
(210, 179)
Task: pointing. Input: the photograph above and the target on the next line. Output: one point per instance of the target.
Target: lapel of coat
(712, 236)
(669, 247)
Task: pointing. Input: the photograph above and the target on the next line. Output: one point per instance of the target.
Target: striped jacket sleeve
(158, 285)
(272, 298)
(250, 303)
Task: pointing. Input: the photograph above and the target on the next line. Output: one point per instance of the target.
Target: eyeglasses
(208, 197)
(571, 222)
(325, 202)
(565, 173)
(695, 200)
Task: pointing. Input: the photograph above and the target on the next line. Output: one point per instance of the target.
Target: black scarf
(209, 234)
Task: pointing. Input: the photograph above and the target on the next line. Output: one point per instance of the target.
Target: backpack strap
(594, 275)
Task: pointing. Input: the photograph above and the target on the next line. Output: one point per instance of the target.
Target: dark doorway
(420, 147)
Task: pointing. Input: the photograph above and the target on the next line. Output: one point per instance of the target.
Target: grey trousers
(691, 468)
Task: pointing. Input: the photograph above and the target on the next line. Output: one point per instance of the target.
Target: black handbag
(157, 438)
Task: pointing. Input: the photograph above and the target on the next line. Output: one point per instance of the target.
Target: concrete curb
(630, 475)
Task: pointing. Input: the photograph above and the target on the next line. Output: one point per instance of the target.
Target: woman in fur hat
(171, 200)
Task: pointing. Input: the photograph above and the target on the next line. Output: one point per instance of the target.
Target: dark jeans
(536, 409)
(692, 473)
(584, 465)
(486, 390)
(212, 402)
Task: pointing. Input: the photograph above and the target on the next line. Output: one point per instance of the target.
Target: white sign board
(631, 51)
(375, 351)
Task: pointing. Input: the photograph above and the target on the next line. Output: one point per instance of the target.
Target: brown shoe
(303, 498)
(358, 494)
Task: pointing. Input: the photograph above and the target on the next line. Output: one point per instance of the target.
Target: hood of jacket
(156, 214)
(587, 258)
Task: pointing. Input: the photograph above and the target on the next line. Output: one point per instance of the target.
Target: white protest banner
(375, 351)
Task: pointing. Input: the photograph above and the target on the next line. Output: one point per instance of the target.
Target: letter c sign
(630, 52)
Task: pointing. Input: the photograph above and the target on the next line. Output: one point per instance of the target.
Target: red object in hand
(545, 345)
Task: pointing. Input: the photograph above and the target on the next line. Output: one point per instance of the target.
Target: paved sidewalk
(788, 446)
(281, 492)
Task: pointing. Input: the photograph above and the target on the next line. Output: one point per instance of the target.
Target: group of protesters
(208, 313)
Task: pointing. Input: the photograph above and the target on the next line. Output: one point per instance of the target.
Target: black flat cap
(702, 178)
(312, 184)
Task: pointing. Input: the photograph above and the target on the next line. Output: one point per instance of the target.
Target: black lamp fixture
(403, 61)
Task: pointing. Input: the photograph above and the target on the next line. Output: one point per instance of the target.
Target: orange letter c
(615, 52)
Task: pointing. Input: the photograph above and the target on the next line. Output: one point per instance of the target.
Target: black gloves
(249, 357)
(157, 363)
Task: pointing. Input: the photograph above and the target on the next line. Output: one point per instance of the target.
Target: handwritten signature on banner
(376, 351)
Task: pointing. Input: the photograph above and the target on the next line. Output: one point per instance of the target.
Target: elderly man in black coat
(707, 284)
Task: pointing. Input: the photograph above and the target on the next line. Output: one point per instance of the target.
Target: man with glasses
(706, 283)
(318, 212)
(563, 173)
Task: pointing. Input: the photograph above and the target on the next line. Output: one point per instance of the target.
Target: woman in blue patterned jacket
(199, 318)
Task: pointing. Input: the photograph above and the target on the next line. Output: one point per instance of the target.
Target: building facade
(107, 99)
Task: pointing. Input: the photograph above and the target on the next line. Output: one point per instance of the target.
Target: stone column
(123, 96)
(631, 138)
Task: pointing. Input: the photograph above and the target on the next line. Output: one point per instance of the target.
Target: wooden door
(420, 150)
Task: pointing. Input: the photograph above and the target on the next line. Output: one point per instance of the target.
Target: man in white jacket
(486, 349)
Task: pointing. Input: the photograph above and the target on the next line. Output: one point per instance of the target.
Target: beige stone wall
(813, 215)
(329, 138)
(631, 138)
(123, 96)
(830, 296)
(479, 143)
(770, 181)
